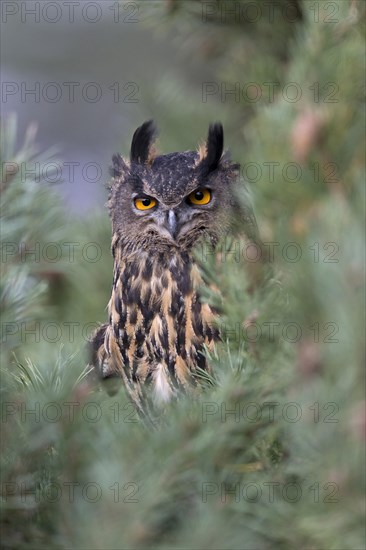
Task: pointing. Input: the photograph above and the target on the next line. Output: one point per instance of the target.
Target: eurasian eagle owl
(161, 207)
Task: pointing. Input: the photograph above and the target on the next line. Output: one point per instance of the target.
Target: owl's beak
(172, 223)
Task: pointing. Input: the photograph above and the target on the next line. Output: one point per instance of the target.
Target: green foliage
(271, 454)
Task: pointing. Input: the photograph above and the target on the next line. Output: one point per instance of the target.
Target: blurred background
(272, 453)
(96, 71)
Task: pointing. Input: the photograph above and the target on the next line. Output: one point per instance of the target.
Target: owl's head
(161, 203)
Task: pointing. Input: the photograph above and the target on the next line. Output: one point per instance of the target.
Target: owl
(162, 207)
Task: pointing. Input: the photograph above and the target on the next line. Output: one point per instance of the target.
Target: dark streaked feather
(142, 141)
(214, 148)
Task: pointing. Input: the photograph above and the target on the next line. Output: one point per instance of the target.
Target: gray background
(123, 48)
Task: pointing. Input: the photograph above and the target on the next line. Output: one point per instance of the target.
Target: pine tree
(272, 453)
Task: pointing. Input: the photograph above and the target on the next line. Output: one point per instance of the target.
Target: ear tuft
(214, 148)
(142, 143)
(119, 166)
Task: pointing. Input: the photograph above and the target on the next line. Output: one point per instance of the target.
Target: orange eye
(144, 203)
(200, 196)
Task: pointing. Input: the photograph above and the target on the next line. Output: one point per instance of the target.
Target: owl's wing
(100, 362)
(106, 364)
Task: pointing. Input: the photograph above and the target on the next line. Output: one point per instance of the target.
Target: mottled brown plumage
(161, 208)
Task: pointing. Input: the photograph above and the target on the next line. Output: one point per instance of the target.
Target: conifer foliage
(271, 455)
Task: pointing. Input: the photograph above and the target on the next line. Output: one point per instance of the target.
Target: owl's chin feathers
(160, 241)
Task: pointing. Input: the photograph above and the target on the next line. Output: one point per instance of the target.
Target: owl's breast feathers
(158, 326)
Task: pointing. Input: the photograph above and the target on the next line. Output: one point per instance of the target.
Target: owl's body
(158, 325)
(161, 207)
